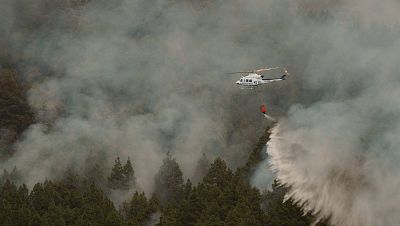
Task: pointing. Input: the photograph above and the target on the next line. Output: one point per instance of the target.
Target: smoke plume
(141, 78)
(339, 153)
(132, 79)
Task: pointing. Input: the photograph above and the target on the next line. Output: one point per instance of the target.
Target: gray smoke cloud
(137, 79)
(339, 153)
(140, 78)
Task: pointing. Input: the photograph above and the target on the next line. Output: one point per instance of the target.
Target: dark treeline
(221, 197)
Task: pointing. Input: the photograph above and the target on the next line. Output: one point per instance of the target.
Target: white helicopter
(254, 78)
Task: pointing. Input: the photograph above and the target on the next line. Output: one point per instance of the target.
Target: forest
(50, 87)
(217, 196)
(221, 197)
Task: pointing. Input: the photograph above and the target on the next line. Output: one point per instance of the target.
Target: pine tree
(117, 178)
(203, 164)
(154, 203)
(188, 211)
(94, 169)
(282, 213)
(13, 209)
(122, 177)
(114, 219)
(4, 177)
(71, 177)
(38, 199)
(129, 175)
(219, 174)
(169, 181)
(135, 211)
(14, 176)
(242, 215)
(139, 209)
(170, 216)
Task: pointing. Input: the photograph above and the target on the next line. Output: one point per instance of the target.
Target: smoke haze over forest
(142, 78)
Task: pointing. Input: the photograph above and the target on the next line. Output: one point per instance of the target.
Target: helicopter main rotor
(260, 70)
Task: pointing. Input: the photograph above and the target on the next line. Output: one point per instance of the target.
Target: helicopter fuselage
(253, 80)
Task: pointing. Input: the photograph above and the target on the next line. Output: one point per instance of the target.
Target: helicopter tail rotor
(285, 71)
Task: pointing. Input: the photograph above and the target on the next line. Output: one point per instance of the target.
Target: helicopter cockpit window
(250, 80)
(241, 80)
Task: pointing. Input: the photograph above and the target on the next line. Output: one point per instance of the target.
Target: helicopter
(255, 78)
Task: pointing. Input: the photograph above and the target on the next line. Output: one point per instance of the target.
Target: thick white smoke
(339, 155)
(140, 78)
(131, 78)
(339, 163)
